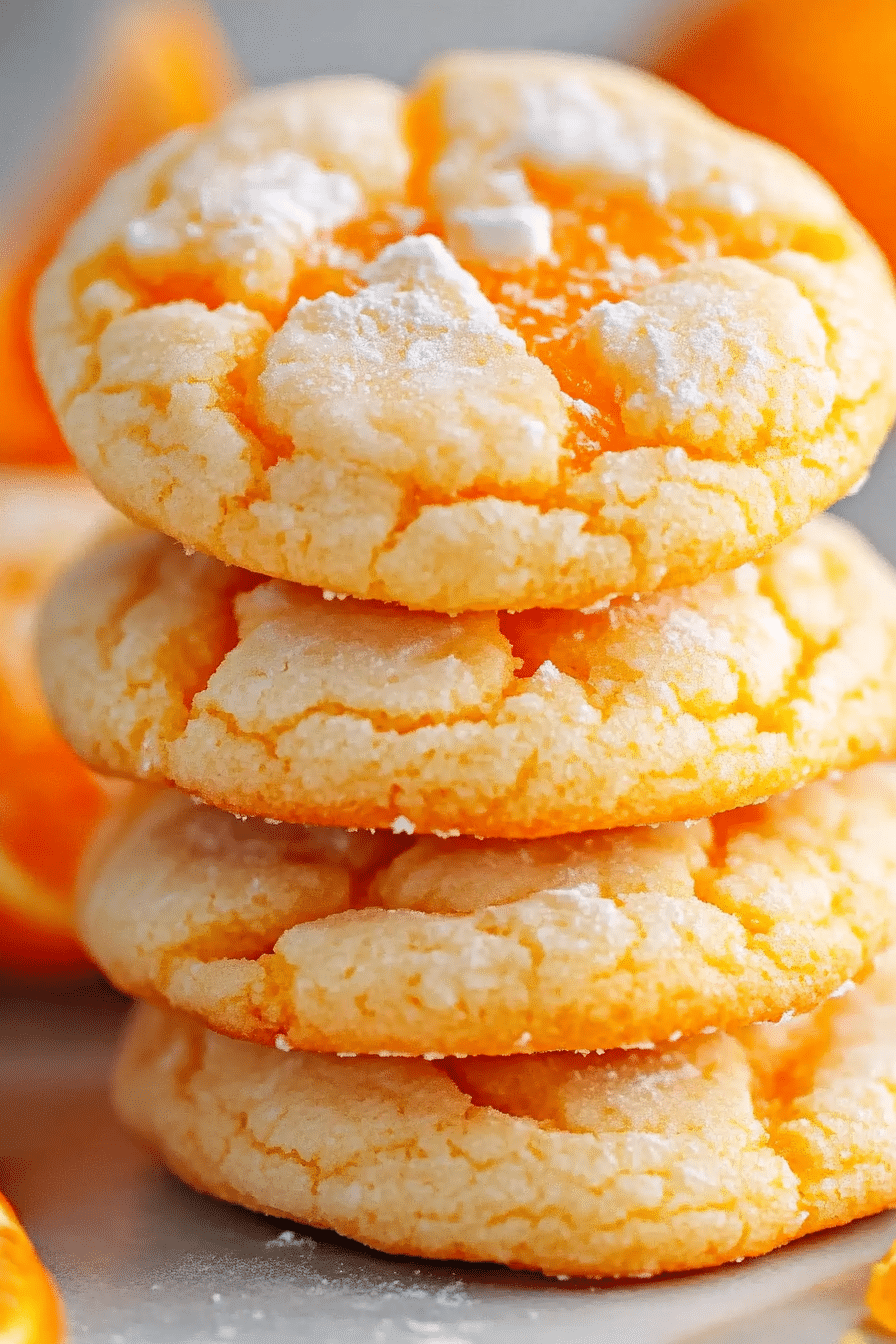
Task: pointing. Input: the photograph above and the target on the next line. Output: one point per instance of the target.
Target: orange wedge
(159, 66)
(50, 804)
(29, 1307)
(881, 1299)
(819, 76)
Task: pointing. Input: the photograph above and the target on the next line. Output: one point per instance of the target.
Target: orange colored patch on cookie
(815, 75)
(160, 66)
(30, 1312)
(603, 247)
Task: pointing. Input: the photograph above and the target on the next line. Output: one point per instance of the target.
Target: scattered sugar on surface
(289, 1238)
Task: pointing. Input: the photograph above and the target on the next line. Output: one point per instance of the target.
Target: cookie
(376, 943)
(49, 801)
(628, 1163)
(261, 697)
(545, 332)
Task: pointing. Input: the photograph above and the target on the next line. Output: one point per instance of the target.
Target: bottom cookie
(627, 1163)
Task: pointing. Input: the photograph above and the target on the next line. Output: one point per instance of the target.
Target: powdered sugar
(717, 351)
(416, 373)
(245, 214)
(423, 272)
(503, 235)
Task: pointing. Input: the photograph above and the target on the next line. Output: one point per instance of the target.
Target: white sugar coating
(254, 215)
(423, 267)
(104, 298)
(346, 124)
(421, 377)
(718, 351)
(505, 111)
(501, 234)
(566, 123)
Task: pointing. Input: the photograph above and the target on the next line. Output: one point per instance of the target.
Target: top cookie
(546, 332)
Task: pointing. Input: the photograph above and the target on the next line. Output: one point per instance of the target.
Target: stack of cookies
(525, 835)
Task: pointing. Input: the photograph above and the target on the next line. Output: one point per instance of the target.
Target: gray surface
(141, 1259)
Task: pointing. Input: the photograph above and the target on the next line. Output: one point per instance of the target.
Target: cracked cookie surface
(547, 331)
(262, 697)
(628, 1163)
(380, 943)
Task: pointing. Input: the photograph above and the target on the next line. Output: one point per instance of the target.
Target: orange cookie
(263, 697)
(382, 944)
(543, 333)
(635, 1163)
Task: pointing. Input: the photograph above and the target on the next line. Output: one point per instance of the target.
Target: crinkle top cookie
(260, 696)
(634, 1162)
(543, 332)
(395, 944)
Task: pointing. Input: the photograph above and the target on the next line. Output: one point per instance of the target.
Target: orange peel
(159, 66)
(30, 1311)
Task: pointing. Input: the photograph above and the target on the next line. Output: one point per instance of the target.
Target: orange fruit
(50, 803)
(818, 76)
(881, 1297)
(30, 1312)
(159, 66)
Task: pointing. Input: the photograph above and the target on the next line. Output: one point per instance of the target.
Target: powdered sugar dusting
(245, 214)
(504, 113)
(503, 235)
(718, 352)
(566, 123)
(416, 372)
(423, 270)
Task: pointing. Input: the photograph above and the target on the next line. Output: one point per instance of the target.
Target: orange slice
(50, 803)
(881, 1298)
(159, 66)
(30, 1312)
